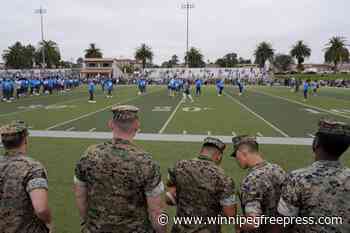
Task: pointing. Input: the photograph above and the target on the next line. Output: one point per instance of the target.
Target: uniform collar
(259, 165)
(13, 153)
(204, 157)
(327, 163)
(120, 141)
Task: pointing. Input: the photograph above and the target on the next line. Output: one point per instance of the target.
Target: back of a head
(13, 134)
(125, 118)
(125, 125)
(333, 138)
(14, 141)
(333, 145)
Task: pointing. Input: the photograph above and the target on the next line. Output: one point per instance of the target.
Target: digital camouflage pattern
(260, 191)
(117, 176)
(19, 175)
(9, 130)
(334, 128)
(322, 189)
(201, 187)
(220, 145)
(124, 112)
(240, 140)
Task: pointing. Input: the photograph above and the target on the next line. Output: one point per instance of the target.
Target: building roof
(99, 59)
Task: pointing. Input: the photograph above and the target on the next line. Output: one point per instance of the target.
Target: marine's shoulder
(96, 148)
(23, 163)
(30, 161)
(301, 173)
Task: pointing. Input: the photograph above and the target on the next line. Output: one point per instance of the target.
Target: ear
(110, 124)
(315, 144)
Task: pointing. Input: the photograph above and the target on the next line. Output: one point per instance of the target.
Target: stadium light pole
(42, 11)
(187, 6)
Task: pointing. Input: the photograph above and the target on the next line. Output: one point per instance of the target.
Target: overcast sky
(216, 27)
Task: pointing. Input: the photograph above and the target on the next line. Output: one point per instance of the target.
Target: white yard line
(97, 111)
(168, 137)
(257, 115)
(302, 104)
(70, 129)
(170, 117)
(92, 130)
(259, 134)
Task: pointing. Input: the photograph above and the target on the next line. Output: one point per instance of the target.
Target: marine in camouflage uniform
(202, 189)
(323, 188)
(260, 190)
(118, 176)
(19, 176)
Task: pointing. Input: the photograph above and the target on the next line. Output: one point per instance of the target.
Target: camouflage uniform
(320, 190)
(118, 176)
(202, 189)
(261, 189)
(19, 175)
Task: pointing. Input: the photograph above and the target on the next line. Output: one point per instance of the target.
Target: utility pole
(42, 11)
(187, 6)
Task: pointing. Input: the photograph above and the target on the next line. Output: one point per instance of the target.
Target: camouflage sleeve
(36, 178)
(153, 184)
(289, 201)
(80, 173)
(171, 180)
(227, 194)
(251, 196)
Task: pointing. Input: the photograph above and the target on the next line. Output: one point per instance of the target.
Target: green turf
(224, 115)
(291, 118)
(44, 118)
(219, 115)
(327, 98)
(60, 155)
(151, 119)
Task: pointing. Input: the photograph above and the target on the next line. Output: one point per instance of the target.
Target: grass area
(220, 115)
(60, 155)
(316, 76)
(266, 111)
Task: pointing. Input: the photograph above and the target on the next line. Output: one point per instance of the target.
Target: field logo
(195, 109)
(161, 109)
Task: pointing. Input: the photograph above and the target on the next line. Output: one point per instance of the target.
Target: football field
(64, 125)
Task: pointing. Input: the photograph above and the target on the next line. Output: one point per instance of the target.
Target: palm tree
(51, 51)
(300, 51)
(336, 51)
(19, 56)
(195, 58)
(144, 54)
(93, 52)
(263, 52)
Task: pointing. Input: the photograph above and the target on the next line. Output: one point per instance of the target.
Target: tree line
(19, 56)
